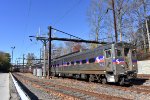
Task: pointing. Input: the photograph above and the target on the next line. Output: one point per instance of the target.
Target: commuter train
(114, 62)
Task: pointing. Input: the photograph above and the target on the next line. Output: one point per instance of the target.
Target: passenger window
(72, 63)
(68, 63)
(91, 60)
(118, 53)
(83, 61)
(77, 62)
(108, 53)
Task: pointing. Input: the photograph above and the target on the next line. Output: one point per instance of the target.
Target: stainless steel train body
(114, 62)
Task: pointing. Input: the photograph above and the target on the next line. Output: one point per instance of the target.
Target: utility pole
(49, 39)
(40, 54)
(49, 56)
(23, 62)
(148, 33)
(115, 27)
(144, 41)
(146, 24)
(44, 40)
(44, 65)
(12, 56)
(17, 64)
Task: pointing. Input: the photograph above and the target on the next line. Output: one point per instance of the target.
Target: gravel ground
(98, 88)
(41, 94)
(38, 94)
(101, 89)
(147, 83)
(13, 92)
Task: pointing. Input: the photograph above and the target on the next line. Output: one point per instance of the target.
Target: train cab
(124, 62)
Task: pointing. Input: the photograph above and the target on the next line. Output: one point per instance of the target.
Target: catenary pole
(115, 27)
(49, 57)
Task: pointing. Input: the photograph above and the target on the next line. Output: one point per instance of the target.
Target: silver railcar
(115, 62)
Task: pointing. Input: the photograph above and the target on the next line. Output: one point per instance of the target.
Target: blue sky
(21, 18)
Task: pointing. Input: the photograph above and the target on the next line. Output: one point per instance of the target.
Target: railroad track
(66, 92)
(134, 88)
(88, 90)
(143, 76)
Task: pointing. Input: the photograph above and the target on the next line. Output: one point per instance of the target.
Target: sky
(20, 19)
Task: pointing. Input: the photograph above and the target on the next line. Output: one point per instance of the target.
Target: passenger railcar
(115, 62)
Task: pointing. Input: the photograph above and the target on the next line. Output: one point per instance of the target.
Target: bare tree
(138, 14)
(95, 14)
(129, 16)
(77, 47)
(68, 46)
(31, 59)
(126, 17)
(122, 7)
(101, 22)
(145, 4)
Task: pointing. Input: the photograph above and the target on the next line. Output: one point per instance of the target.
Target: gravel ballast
(125, 92)
(13, 92)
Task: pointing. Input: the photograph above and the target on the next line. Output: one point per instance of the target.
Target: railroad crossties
(71, 89)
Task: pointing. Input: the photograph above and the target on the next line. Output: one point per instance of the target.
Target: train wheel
(99, 81)
(91, 78)
(104, 81)
(122, 80)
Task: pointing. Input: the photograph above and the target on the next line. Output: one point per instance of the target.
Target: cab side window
(134, 53)
(118, 53)
(126, 51)
(108, 53)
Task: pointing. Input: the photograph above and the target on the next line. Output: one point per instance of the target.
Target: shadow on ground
(28, 92)
(139, 81)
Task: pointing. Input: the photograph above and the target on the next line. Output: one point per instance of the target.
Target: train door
(134, 60)
(119, 60)
(108, 59)
(128, 58)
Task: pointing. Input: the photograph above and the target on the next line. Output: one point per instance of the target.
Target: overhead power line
(67, 12)
(29, 4)
(28, 15)
(66, 33)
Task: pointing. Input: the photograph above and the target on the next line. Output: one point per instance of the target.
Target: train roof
(125, 44)
(66, 54)
(81, 52)
(102, 46)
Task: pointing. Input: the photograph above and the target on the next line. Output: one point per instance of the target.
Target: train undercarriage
(121, 79)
